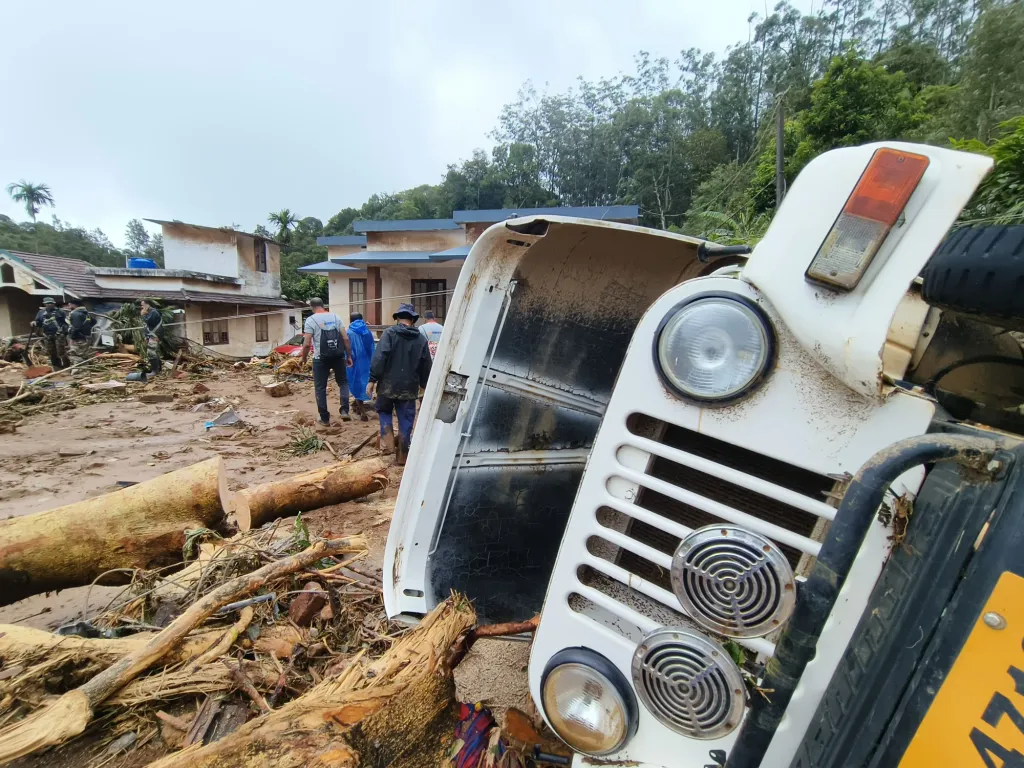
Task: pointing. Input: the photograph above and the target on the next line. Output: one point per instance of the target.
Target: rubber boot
(400, 453)
(386, 442)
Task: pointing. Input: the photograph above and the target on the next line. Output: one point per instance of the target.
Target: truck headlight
(714, 348)
(588, 702)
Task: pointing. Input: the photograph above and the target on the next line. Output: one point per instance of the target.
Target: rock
(156, 397)
(280, 389)
(267, 378)
(67, 452)
(105, 386)
(36, 371)
(327, 613)
(239, 366)
(200, 388)
(122, 743)
(307, 604)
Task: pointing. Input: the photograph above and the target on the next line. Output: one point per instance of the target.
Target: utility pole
(780, 137)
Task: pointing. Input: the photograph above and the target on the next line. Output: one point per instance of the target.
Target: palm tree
(32, 195)
(285, 220)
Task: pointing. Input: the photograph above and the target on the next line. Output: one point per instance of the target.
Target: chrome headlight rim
(753, 385)
(620, 684)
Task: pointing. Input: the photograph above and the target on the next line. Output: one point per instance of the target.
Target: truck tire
(980, 271)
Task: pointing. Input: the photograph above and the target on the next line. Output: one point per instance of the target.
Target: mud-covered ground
(59, 458)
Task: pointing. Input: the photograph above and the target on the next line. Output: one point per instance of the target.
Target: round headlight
(588, 702)
(714, 348)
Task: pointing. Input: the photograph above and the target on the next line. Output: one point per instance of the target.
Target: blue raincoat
(361, 339)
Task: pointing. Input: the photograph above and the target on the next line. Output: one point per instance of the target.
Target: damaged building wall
(397, 279)
(338, 294)
(257, 282)
(207, 324)
(205, 250)
(17, 310)
(428, 240)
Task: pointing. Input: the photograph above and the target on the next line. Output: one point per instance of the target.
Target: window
(262, 328)
(432, 295)
(259, 247)
(7, 273)
(357, 294)
(215, 331)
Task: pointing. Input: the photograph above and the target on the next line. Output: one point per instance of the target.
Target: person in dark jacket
(154, 323)
(400, 366)
(80, 324)
(52, 322)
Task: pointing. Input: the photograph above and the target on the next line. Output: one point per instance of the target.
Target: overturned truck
(770, 506)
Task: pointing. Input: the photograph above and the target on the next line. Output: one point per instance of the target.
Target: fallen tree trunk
(142, 526)
(332, 484)
(370, 715)
(69, 715)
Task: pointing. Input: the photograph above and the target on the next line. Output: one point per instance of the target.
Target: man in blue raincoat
(361, 339)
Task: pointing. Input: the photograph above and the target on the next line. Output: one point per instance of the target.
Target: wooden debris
(142, 526)
(375, 713)
(306, 605)
(156, 397)
(68, 716)
(278, 389)
(332, 484)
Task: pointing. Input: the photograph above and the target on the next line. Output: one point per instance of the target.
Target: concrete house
(418, 260)
(226, 285)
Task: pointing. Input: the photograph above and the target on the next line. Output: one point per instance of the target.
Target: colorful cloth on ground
(472, 735)
(361, 339)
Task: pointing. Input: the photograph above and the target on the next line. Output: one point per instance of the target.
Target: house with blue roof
(419, 260)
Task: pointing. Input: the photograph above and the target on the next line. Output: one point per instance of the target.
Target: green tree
(857, 101)
(136, 237)
(32, 196)
(284, 220)
(1000, 198)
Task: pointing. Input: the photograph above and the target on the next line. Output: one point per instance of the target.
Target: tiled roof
(77, 280)
(196, 297)
(72, 274)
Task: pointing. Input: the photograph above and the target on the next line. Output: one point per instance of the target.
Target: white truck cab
(651, 449)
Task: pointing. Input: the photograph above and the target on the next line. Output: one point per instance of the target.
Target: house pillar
(373, 296)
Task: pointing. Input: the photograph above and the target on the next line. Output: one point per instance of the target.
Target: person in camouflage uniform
(80, 325)
(53, 324)
(154, 325)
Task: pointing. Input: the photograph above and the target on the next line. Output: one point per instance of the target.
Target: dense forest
(691, 141)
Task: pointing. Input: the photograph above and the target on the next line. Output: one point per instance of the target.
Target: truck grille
(690, 481)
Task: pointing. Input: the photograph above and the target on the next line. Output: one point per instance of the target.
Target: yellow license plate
(977, 718)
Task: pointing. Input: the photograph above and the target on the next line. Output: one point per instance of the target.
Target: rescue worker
(361, 340)
(52, 322)
(324, 333)
(400, 366)
(80, 325)
(432, 330)
(153, 323)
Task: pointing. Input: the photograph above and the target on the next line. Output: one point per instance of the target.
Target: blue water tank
(141, 264)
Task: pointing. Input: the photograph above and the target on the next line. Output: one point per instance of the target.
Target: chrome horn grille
(689, 683)
(732, 581)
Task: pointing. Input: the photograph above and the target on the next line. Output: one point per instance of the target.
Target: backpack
(331, 346)
(51, 326)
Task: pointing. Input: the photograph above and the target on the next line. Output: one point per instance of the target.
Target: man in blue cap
(400, 366)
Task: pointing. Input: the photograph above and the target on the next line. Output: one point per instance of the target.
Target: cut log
(332, 484)
(142, 526)
(278, 389)
(69, 715)
(391, 712)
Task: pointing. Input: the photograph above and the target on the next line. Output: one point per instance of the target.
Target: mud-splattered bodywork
(541, 319)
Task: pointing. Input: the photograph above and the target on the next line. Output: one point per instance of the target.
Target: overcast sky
(218, 112)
